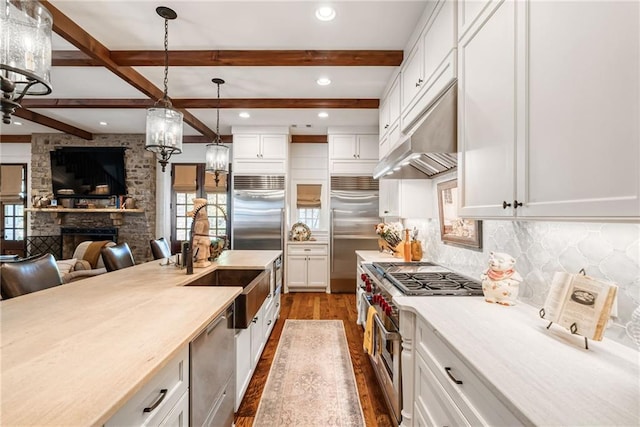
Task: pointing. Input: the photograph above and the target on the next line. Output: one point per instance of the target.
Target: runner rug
(311, 381)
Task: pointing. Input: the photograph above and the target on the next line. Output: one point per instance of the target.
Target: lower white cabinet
(250, 343)
(447, 391)
(179, 415)
(162, 397)
(307, 267)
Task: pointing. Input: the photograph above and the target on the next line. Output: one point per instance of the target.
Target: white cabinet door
(393, 101)
(317, 268)
(487, 115)
(415, 198)
(246, 147)
(439, 38)
(582, 154)
(412, 77)
(469, 11)
(243, 363)
(343, 147)
(296, 271)
(383, 118)
(367, 147)
(179, 415)
(273, 146)
(257, 341)
(389, 201)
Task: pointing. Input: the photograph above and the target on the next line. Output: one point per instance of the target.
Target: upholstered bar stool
(117, 257)
(31, 275)
(160, 248)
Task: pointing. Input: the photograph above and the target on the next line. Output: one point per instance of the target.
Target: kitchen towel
(368, 331)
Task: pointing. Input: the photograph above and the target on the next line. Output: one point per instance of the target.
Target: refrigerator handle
(331, 244)
(282, 238)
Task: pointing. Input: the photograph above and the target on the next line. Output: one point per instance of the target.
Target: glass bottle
(407, 246)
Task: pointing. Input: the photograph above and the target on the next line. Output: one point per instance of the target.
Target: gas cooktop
(425, 278)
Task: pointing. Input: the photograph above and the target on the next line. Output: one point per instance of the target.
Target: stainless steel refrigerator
(257, 219)
(354, 216)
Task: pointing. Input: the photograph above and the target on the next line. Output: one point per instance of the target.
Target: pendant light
(164, 123)
(25, 53)
(217, 158)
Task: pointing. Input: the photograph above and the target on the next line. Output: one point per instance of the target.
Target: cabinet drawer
(161, 393)
(307, 250)
(179, 415)
(477, 403)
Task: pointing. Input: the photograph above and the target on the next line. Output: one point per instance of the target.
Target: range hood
(430, 149)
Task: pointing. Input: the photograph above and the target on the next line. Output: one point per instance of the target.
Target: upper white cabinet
(405, 198)
(256, 151)
(389, 119)
(352, 153)
(548, 110)
(430, 66)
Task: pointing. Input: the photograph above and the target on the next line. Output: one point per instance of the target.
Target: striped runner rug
(311, 381)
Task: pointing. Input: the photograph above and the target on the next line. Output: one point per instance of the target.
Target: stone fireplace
(74, 227)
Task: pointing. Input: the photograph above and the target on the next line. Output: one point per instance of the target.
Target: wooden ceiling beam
(15, 138)
(309, 139)
(199, 139)
(78, 37)
(72, 58)
(260, 58)
(32, 116)
(335, 103)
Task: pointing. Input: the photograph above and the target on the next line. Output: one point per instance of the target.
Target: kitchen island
(74, 354)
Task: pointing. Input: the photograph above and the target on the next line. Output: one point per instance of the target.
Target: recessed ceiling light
(323, 81)
(323, 115)
(103, 123)
(17, 123)
(325, 13)
(244, 115)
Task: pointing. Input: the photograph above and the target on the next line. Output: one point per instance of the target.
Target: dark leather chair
(117, 257)
(29, 275)
(160, 248)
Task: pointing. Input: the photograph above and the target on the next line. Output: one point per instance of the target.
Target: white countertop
(73, 354)
(377, 256)
(547, 376)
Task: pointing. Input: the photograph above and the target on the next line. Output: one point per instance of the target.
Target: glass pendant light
(25, 53)
(217, 158)
(164, 123)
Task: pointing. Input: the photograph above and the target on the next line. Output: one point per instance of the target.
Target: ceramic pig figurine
(500, 282)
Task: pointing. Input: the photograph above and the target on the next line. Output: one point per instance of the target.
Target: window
(13, 184)
(309, 216)
(190, 181)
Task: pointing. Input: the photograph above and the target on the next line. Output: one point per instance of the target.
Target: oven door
(386, 361)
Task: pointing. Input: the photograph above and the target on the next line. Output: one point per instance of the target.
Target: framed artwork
(454, 230)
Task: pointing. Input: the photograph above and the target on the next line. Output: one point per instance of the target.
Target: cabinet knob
(516, 204)
(258, 155)
(386, 211)
(419, 82)
(358, 155)
(386, 126)
(255, 319)
(505, 205)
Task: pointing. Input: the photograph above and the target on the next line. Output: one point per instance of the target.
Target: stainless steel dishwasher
(212, 373)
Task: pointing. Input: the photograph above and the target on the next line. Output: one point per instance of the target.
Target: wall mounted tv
(88, 171)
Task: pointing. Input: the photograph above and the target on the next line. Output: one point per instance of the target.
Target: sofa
(86, 261)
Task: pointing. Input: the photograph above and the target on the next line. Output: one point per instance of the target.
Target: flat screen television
(88, 171)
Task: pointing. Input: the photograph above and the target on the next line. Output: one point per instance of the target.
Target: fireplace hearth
(73, 236)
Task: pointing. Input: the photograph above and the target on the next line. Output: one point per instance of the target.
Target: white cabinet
(548, 109)
(405, 198)
(352, 153)
(156, 400)
(447, 391)
(389, 119)
(179, 415)
(430, 66)
(255, 152)
(307, 267)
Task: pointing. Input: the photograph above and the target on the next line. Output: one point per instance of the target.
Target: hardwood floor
(320, 306)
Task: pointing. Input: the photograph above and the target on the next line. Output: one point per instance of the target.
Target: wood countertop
(545, 376)
(74, 354)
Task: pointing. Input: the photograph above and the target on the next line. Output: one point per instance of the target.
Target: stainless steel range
(379, 284)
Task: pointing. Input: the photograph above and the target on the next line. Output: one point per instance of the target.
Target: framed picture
(455, 230)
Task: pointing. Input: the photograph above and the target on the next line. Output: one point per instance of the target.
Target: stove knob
(363, 277)
(389, 310)
(384, 305)
(368, 287)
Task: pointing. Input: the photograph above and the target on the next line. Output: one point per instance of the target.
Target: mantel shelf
(58, 214)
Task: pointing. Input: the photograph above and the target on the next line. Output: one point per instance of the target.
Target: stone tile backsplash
(606, 251)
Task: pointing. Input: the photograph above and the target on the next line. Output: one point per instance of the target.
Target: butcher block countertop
(544, 376)
(74, 354)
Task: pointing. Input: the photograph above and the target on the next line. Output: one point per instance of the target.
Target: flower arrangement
(390, 233)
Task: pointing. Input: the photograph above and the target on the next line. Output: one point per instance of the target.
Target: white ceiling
(208, 25)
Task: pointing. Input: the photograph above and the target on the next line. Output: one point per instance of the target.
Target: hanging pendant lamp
(25, 53)
(164, 123)
(217, 158)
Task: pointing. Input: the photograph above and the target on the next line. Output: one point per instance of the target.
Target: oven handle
(388, 336)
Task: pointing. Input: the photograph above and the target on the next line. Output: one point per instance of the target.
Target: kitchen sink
(255, 289)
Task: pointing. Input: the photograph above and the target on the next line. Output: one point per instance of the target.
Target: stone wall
(140, 165)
